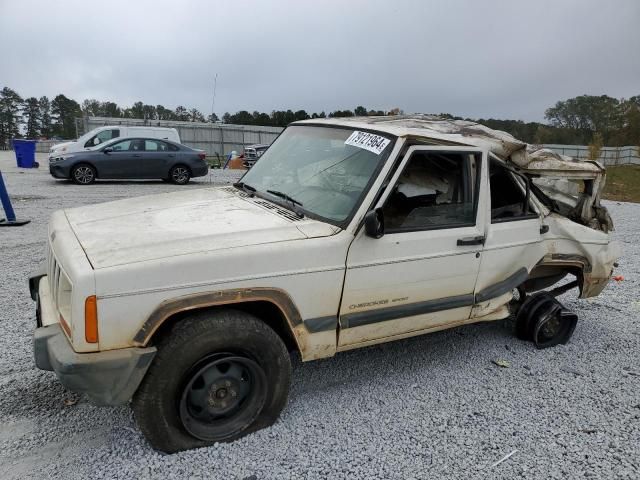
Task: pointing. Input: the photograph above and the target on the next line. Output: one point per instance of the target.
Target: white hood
(57, 148)
(180, 223)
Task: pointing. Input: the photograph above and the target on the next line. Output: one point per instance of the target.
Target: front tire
(216, 377)
(83, 174)
(179, 174)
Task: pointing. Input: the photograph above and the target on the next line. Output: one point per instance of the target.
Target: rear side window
(509, 199)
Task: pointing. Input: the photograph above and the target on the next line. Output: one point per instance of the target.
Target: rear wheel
(216, 377)
(179, 174)
(543, 320)
(83, 174)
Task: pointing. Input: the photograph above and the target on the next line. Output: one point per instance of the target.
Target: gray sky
(490, 58)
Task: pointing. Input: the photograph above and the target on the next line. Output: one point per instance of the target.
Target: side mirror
(107, 150)
(96, 141)
(374, 223)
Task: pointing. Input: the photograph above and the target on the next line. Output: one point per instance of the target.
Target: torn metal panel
(580, 206)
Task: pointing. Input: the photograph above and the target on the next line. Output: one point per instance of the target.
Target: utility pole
(213, 101)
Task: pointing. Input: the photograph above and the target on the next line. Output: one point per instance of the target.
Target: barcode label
(368, 141)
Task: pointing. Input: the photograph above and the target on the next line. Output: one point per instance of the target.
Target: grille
(60, 286)
(53, 274)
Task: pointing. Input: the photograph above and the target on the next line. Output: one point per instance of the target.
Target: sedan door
(119, 159)
(421, 274)
(156, 159)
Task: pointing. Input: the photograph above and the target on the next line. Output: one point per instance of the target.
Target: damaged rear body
(566, 192)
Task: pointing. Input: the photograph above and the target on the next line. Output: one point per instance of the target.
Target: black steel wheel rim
(549, 329)
(554, 328)
(180, 174)
(83, 175)
(222, 395)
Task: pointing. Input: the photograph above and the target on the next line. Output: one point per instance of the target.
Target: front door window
(433, 191)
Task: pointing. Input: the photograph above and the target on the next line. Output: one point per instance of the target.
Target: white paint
(136, 253)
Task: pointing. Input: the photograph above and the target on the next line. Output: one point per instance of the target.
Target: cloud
(494, 58)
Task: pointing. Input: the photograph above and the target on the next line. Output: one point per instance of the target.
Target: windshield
(88, 135)
(322, 171)
(106, 143)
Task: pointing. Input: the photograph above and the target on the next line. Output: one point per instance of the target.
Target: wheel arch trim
(171, 307)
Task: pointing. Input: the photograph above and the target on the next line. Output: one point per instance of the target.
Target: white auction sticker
(368, 141)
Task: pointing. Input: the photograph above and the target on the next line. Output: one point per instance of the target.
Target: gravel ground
(433, 406)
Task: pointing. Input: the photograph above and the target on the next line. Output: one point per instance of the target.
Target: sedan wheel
(83, 174)
(180, 175)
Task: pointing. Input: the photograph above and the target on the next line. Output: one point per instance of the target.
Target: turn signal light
(91, 319)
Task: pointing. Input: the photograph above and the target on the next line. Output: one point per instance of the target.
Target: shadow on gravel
(444, 351)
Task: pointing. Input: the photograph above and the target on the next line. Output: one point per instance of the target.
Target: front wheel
(216, 377)
(83, 174)
(179, 174)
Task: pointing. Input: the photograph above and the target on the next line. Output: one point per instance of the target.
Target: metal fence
(609, 156)
(214, 138)
(218, 139)
(43, 146)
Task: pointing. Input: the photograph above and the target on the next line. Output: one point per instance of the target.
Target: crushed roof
(464, 132)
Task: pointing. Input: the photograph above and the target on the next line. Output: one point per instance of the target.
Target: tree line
(581, 120)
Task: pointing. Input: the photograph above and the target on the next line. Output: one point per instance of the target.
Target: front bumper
(58, 171)
(108, 378)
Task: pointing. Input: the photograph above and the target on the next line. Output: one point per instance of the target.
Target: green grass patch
(623, 183)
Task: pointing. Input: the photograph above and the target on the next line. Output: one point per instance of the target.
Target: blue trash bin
(25, 153)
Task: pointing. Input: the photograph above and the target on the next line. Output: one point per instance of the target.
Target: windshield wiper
(245, 188)
(290, 199)
(285, 196)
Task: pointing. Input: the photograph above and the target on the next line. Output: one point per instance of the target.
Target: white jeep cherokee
(346, 233)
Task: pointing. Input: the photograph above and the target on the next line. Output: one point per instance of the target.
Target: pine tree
(10, 115)
(32, 115)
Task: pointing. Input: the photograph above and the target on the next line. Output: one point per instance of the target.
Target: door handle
(172, 154)
(471, 240)
(136, 154)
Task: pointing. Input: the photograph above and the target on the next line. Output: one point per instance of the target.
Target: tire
(543, 320)
(179, 174)
(83, 174)
(195, 372)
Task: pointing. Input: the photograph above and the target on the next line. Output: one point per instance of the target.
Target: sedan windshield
(321, 171)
